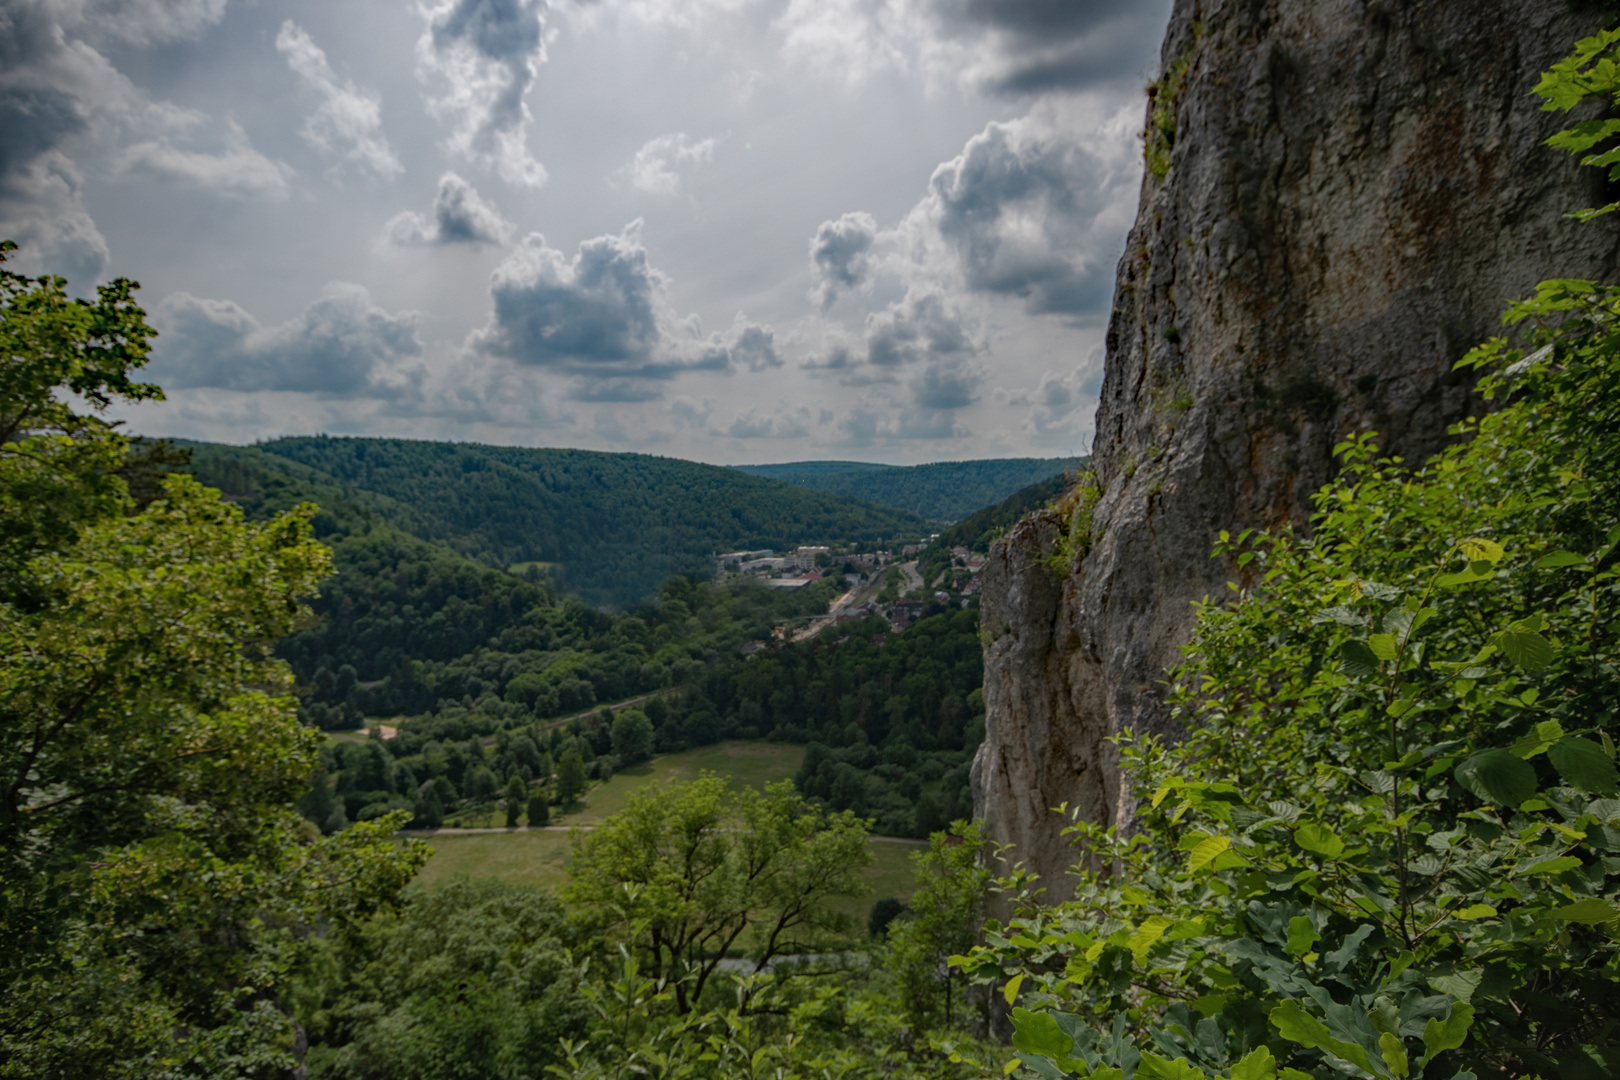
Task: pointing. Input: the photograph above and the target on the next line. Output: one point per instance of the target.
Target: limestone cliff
(1341, 195)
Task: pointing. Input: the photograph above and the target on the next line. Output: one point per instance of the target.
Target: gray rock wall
(1355, 189)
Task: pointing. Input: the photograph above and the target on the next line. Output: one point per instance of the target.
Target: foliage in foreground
(1390, 845)
(152, 871)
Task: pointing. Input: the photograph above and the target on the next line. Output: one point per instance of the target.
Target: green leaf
(1583, 764)
(1560, 558)
(1459, 984)
(1010, 991)
(1295, 1074)
(1497, 776)
(1478, 549)
(1154, 1067)
(1439, 1037)
(1258, 1065)
(1382, 646)
(1538, 740)
(1547, 864)
(1394, 1055)
(1592, 910)
(1358, 660)
(1146, 935)
(1205, 852)
(1461, 577)
(1319, 839)
(1301, 935)
(1526, 648)
(1038, 1033)
(1296, 1025)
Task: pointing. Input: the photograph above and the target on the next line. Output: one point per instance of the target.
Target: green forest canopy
(611, 526)
(941, 491)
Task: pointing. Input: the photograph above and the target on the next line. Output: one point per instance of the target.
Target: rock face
(1354, 189)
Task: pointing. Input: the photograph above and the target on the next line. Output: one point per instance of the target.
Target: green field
(753, 764)
(540, 857)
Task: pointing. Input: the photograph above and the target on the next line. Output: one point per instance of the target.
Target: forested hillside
(942, 491)
(609, 527)
(411, 626)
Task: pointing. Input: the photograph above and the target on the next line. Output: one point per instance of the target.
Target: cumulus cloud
(41, 208)
(690, 413)
(839, 256)
(348, 121)
(867, 426)
(946, 385)
(604, 316)
(236, 170)
(66, 111)
(1034, 212)
(752, 346)
(784, 423)
(341, 344)
(140, 22)
(1061, 406)
(654, 168)
(460, 216)
(920, 327)
(476, 61)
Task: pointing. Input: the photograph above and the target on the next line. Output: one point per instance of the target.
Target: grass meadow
(540, 857)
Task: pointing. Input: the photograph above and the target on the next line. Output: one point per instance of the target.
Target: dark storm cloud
(838, 255)
(1020, 209)
(603, 316)
(482, 57)
(337, 345)
(460, 216)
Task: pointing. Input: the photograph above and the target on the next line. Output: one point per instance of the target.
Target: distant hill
(943, 491)
(978, 530)
(611, 527)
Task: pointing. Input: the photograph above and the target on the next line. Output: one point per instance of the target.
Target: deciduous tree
(153, 867)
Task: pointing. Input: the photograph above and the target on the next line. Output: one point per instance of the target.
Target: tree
(480, 783)
(472, 980)
(60, 467)
(150, 755)
(941, 920)
(570, 777)
(516, 793)
(429, 807)
(316, 804)
(632, 736)
(539, 811)
(684, 872)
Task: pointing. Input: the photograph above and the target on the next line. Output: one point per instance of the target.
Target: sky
(735, 231)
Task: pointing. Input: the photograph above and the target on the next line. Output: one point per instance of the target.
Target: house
(805, 558)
